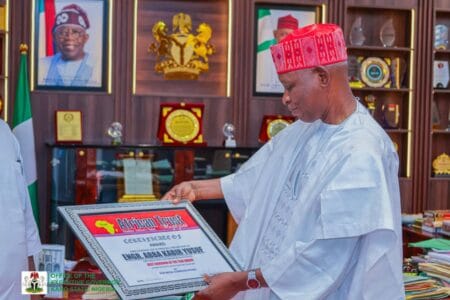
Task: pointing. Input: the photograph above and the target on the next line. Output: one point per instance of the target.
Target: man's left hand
(223, 286)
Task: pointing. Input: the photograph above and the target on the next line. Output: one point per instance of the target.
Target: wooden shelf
(369, 89)
(446, 51)
(441, 91)
(379, 48)
(397, 130)
(440, 131)
(439, 178)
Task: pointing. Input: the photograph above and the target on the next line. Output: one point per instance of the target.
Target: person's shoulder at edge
(365, 134)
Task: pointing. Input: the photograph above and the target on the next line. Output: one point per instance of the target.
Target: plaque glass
(274, 127)
(272, 124)
(440, 37)
(375, 72)
(68, 126)
(441, 75)
(387, 33)
(181, 124)
(391, 115)
(357, 37)
(151, 249)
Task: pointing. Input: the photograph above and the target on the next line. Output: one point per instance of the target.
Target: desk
(412, 235)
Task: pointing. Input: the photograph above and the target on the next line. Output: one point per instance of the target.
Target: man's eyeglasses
(66, 32)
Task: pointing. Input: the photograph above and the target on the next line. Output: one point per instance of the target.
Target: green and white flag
(266, 76)
(23, 130)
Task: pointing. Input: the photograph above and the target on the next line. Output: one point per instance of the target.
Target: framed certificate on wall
(150, 249)
(68, 126)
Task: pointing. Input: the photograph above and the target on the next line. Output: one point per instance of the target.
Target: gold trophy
(441, 166)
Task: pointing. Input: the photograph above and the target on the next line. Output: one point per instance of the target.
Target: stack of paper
(420, 287)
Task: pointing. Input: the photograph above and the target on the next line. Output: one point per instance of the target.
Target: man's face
(280, 34)
(304, 96)
(70, 40)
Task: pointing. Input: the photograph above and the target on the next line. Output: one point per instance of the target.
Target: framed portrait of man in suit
(71, 44)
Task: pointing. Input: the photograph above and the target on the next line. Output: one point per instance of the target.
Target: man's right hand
(195, 190)
(184, 190)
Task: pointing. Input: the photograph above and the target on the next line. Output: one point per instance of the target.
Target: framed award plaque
(391, 115)
(180, 124)
(375, 72)
(68, 125)
(150, 249)
(272, 125)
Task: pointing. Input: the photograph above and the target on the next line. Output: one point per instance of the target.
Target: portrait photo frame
(150, 249)
(265, 78)
(71, 45)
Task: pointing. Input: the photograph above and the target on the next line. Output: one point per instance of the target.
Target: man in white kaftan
(325, 225)
(19, 237)
(318, 206)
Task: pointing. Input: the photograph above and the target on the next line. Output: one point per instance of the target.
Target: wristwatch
(252, 281)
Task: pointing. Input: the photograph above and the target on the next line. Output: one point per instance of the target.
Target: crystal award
(228, 132)
(387, 33)
(357, 37)
(115, 132)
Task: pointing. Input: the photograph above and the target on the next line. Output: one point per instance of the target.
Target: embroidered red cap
(72, 14)
(287, 22)
(309, 46)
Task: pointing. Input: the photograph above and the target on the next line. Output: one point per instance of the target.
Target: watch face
(253, 283)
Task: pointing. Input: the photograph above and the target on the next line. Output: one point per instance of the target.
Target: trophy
(354, 69)
(435, 116)
(441, 74)
(387, 33)
(398, 71)
(228, 131)
(371, 104)
(357, 37)
(440, 37)
(441, 166)
(391, 115)
(115, 132)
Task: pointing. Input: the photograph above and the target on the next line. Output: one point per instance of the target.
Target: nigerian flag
(266, 76)
(23, 130)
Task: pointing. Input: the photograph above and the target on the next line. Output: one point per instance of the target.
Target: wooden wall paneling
(419, 99)
(387, 4)
(142, 120)
(240, 83)
(336, 12)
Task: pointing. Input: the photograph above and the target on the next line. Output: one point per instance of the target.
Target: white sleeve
(237, 188)
(310, 270)
(31, 230)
